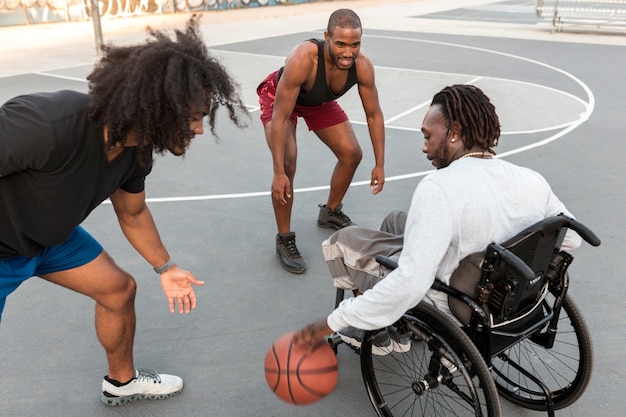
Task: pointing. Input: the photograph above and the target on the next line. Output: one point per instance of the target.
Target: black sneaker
(354, 337)
(288, 253)
(333, 218)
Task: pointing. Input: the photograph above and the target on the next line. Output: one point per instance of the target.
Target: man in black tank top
(316, 73)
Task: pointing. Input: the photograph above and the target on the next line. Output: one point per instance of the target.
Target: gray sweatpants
(350, 254)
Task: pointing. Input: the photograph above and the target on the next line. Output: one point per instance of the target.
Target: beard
(442, 156)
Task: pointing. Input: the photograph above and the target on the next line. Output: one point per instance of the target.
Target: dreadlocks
(467, 108)
(150, 89)
(343, 18)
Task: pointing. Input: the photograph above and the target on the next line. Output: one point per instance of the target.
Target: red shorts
(316, 117)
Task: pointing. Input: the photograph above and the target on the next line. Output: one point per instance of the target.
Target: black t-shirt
(54, 170)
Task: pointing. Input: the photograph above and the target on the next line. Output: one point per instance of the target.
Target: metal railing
(607, 15)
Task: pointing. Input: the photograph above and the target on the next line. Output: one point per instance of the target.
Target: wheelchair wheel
(565, 368)
(442, 374)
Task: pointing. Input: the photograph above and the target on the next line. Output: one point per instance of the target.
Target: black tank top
(321, 92)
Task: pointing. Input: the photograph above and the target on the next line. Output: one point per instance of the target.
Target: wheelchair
(518, 334)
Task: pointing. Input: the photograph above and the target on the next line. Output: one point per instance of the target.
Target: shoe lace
(291, 249)
(148, 375)
(343, 217)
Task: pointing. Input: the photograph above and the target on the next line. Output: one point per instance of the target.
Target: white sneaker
(401, 341)
(381, 346)
(146, 384)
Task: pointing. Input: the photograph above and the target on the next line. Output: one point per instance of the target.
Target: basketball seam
(278, 368)
(289, 373)
(294, 383)
(315, 372)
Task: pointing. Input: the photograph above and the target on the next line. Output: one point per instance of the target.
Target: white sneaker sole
(115, 400)
(376, 350)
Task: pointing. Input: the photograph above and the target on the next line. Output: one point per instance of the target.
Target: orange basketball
(297, 377)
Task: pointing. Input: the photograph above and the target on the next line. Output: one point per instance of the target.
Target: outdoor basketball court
(561, 102)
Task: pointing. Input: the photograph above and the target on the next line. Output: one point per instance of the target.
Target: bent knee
(290, 167)
(352, 157)
(126, 286)
(120, 292)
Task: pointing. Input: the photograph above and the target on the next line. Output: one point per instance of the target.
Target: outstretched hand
(176, 283)
(309, 337)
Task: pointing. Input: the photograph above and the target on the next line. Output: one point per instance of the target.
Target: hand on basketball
(311, 334)
(378, 180)
(297, 376)
(281, 188)
(176, 283)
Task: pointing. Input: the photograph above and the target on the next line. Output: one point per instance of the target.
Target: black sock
(116, 382)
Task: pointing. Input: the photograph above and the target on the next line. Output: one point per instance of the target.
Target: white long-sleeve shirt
(454, 212)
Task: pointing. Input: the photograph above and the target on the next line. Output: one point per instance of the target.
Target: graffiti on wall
(43, 11)
(7, 5)
(229, 4)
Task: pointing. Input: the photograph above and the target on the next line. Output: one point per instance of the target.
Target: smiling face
(343, 46)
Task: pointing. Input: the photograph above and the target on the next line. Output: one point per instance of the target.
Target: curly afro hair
(150, 90)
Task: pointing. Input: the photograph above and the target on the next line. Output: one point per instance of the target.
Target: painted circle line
(566, 128)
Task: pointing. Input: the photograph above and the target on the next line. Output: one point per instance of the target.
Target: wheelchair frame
(482, 348)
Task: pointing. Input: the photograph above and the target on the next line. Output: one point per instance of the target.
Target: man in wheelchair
(470, 201)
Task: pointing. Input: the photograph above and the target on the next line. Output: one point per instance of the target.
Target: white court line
(254, 108)
(590, 105)
(568, 127)
(409, 111)
(63, 77)
(419, 106)
(478, 78)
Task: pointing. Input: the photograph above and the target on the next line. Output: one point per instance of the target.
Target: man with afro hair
(64, 153)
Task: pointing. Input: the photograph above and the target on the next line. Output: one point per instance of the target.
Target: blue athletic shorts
(79, 249)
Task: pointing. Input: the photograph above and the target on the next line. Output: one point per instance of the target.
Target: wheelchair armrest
(584, 232)
(477, 310)
(386, 261)
(512, 260)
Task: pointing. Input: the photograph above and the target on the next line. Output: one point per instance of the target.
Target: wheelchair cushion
(465, 279)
